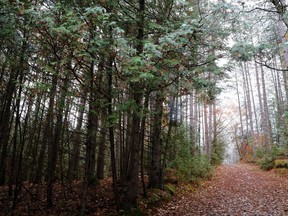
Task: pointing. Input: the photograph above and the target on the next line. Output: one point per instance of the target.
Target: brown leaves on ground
(66, 199)
(240, 189)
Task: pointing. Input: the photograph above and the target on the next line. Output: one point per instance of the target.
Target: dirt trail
(240, 189)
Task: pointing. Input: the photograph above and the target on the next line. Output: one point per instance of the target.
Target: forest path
(240, 189)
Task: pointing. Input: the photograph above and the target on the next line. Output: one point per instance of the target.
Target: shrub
(260, 152)
(275, 152)
(218, 152)
(267, 163)
(156, 196)
(188, 167)
(278, 151)
(170, 189)
(193, 168)
(275, 158)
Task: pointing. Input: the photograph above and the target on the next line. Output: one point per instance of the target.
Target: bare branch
(270, 67)
(262, 9)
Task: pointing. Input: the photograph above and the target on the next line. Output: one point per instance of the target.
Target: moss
(281, 163)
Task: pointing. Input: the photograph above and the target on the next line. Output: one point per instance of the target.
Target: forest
(106, 105)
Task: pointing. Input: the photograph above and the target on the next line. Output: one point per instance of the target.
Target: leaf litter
(240, 189)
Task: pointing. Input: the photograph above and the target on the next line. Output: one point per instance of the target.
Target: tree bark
(135, 139)
(156, 174)
(92, 126)
(5, 125)
(101, 153)
(53, 147)
(266, 118)
(48, 131)
(249, 106)
(73, 168)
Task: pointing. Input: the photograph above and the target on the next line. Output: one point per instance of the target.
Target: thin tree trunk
(155, 177)
(53, 147)
(111, 128)
(240, 114)
(253, 103)
(277, 111)
(5, 123)
(48, 131)
(249, 106)
(193, 123)
(259, 96)
(101, 153)
(135, 140)
(143, 127)
(266, 121)
(73, 169)
(92, 126)
(210, 130)
(167, 141)
(206, 129)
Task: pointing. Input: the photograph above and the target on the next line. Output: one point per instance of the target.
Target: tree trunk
(240, 116)
(92, 126)
(259, 96)
(156, 173)
(135, 139)
(266, 119)
(5, 122)
(48, 131)
(101, 153)
(206, 129)
(73, 169)
(53, 147)
(249, 106)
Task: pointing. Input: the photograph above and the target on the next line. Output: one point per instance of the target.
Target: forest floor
(240, 189)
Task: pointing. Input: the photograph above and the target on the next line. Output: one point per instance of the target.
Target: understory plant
(218, 151)
(267, 159)
(189, 167)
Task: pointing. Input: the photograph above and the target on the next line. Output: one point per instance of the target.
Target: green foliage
(188, 167)
(279, 151)
(154, 198)
(273, 158)
(242, 51)
(156, 195)
(260, 152)
(218, 151)
(266, 163)
(200, 168)
(286, 114)
(170, 188)
(275, 152)
(82, 38)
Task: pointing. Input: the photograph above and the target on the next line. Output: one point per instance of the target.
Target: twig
(270, 67)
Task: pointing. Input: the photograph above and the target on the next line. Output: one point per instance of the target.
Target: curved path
(240, 189)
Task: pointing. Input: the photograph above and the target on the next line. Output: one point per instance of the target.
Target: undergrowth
(275, 158)
(188, 162)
